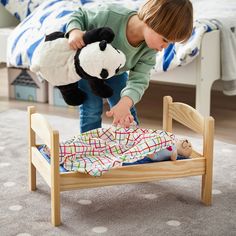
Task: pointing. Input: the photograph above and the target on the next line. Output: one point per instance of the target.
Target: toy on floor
(182, 147)
(64, 67)
(201, 165)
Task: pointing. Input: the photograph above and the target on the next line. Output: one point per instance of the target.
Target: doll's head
(184, 147)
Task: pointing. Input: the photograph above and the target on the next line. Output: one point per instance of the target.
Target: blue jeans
(92, 108)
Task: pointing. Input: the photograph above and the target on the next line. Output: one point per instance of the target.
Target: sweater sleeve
(87, 19)
(139, 77)
(77, 21)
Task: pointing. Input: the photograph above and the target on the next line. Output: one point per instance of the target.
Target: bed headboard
(192, 119)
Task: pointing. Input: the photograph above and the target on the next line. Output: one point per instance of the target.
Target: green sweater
(139, 60)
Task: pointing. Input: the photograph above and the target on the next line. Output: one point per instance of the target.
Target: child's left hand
(121, 113)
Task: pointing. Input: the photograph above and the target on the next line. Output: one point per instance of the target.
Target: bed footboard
(39, 126)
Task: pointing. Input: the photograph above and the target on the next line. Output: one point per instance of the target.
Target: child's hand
(76, 39)
(121, 113)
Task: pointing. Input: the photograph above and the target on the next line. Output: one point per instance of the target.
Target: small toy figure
(182, 148)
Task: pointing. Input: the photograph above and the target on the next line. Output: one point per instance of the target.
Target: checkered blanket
(97, 151)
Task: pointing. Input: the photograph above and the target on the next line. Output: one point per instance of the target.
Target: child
(139, 35)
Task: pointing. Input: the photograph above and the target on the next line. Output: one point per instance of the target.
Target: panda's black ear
(103, 45)
(99, 34)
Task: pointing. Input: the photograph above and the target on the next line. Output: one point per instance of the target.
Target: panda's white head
(100, 59)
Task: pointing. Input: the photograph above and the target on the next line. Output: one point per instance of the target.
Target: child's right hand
(121, 113)
(76, 39)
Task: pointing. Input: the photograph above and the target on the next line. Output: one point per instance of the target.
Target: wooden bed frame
(199, 164)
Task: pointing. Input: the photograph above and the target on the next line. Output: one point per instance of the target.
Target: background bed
(201, 72)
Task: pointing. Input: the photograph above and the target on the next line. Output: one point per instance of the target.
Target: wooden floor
(150, 109)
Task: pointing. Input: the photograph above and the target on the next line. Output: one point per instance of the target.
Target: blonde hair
(173, 19)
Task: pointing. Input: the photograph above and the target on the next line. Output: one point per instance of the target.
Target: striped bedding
(52, 15)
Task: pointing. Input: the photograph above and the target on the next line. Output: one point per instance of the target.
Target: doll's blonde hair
(173, 19)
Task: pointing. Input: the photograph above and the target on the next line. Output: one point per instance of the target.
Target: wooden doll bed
(199, 164)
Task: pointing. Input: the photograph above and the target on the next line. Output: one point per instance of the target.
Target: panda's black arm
(72, 94)
(99, 34)
(54, 36)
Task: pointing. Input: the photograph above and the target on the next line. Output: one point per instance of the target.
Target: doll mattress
(96, 152)
(44, 151)
(52, 15)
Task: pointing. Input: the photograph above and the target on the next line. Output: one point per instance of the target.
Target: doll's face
(184, 147)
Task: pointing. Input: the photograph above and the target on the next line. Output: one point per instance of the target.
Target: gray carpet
(170, 207)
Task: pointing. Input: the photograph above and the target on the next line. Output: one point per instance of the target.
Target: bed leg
(203, 97)
(206, 190)
(55, 207)
(208, 153)
(55, 180)
(32, 177)
(32, 143)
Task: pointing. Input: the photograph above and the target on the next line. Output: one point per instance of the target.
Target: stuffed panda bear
(63, 67)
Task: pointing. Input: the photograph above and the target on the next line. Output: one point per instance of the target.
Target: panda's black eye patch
(104, 73)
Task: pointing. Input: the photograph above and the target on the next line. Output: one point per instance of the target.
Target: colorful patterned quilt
(96, 152)
(52, 15)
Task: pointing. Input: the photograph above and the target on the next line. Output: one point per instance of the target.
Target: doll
(182, 148)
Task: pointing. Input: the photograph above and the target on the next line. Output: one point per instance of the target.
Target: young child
(139, 35)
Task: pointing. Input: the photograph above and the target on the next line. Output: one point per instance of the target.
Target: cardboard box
(54, 96)
(25, 85)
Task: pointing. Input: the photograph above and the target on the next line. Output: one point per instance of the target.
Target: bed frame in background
(202, 72)
(199, 164)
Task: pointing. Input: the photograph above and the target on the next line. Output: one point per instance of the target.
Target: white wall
(6, 19)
